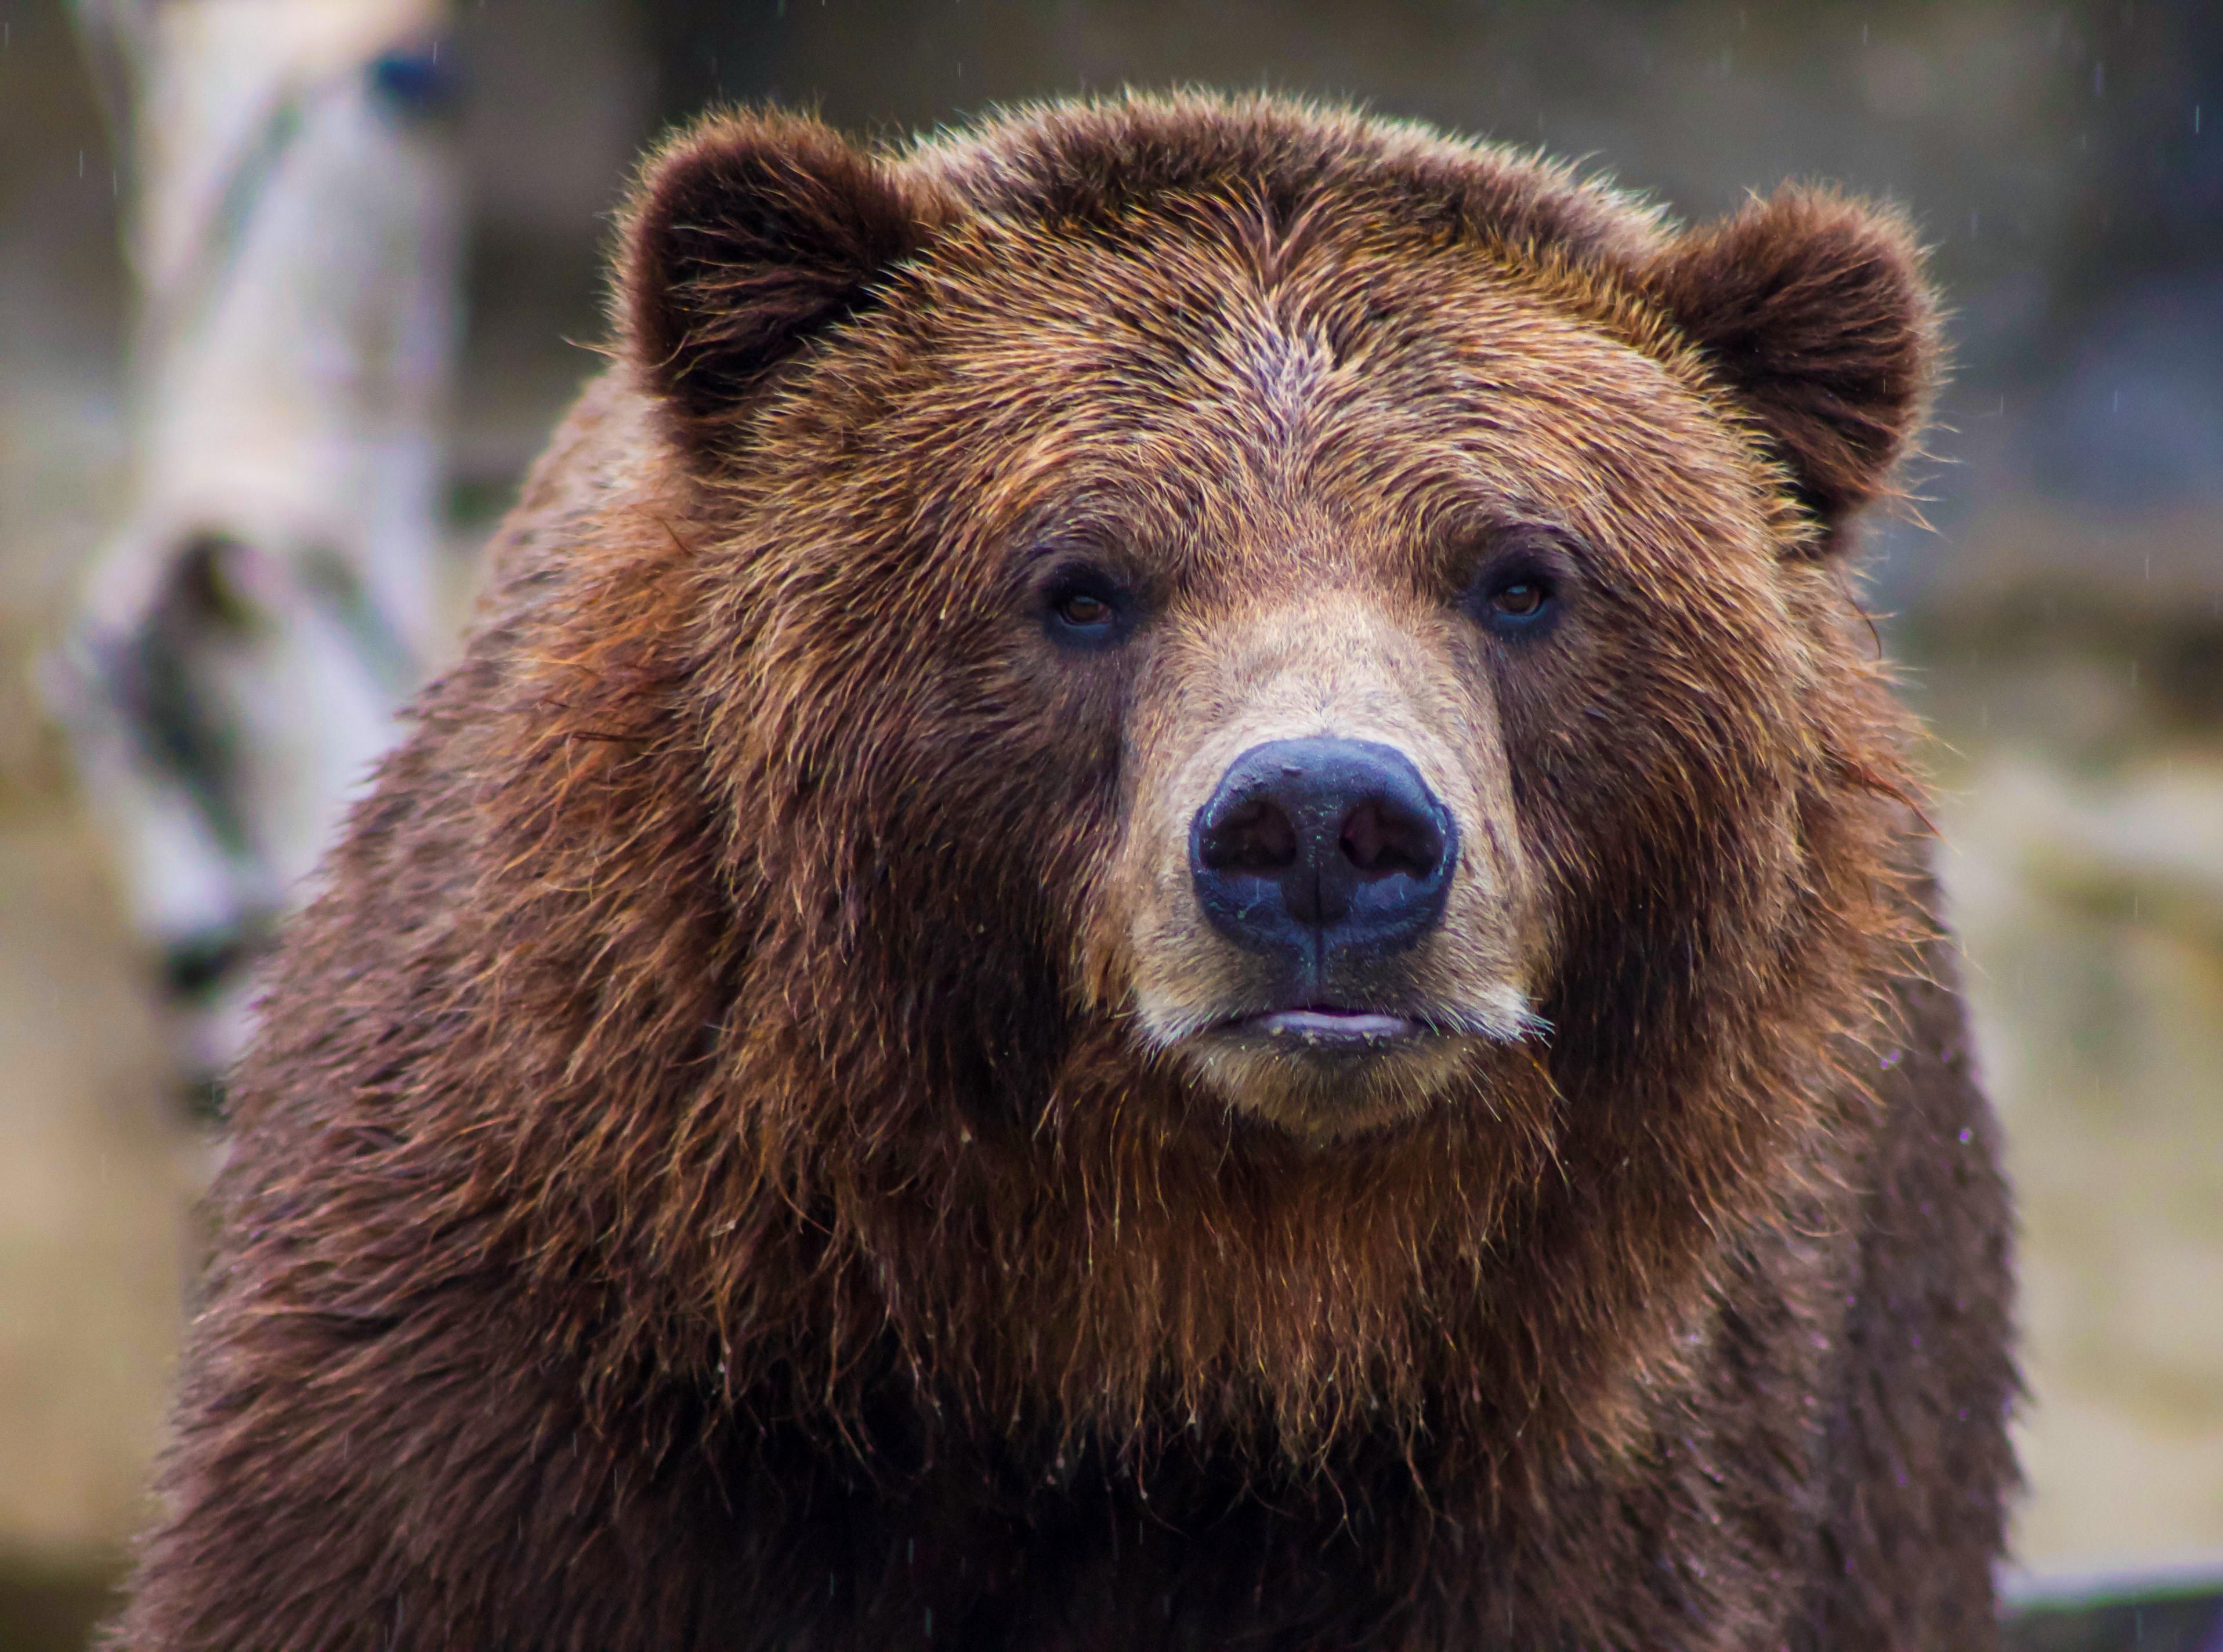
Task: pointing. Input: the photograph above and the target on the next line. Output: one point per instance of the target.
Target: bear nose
(1333, 850)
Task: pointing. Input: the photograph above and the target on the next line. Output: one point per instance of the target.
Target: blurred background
(292, 291)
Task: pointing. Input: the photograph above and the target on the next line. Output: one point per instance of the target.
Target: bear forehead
(1205, 357)
(1219, 285)
(1159, 226)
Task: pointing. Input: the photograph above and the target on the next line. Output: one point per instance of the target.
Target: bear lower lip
(1332, 1028)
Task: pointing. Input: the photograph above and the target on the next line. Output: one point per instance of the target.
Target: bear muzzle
(1327, 857)
(1317, 909)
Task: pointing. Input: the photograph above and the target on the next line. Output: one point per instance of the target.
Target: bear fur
(747, 1149)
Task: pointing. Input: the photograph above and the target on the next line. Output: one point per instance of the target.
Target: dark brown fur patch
(749, 235)
(1813, 308)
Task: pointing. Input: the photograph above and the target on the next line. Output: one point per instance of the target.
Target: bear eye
(1084, 608)
(1087, 608)
(1517, 592)
(1516, 600)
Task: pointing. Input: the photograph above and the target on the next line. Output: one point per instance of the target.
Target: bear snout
(1324, 854)
(1322, 911)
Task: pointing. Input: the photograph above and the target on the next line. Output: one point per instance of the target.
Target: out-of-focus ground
(2081, 803)
(2063, 628)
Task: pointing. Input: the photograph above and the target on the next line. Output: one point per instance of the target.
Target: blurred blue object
(415, 78)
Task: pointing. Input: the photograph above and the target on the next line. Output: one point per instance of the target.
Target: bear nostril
(1255, 836)
(1381, 840)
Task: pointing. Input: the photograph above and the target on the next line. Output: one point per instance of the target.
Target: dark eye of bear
(1517, 600)
(1087, 609)
(1517, 589)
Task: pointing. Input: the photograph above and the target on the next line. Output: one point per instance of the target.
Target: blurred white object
(269, 599)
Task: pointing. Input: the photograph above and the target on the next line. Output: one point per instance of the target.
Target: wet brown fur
(723, 1166)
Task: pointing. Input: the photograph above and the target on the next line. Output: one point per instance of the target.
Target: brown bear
(1171, 901)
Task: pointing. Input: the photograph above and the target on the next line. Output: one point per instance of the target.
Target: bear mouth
(1328, 1029)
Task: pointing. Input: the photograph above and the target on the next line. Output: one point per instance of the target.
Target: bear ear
(1814, 311)
(746, 236)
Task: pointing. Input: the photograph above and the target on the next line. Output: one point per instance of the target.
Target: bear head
(1288, 739)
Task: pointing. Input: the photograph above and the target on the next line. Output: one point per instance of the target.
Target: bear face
(1194, 473)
